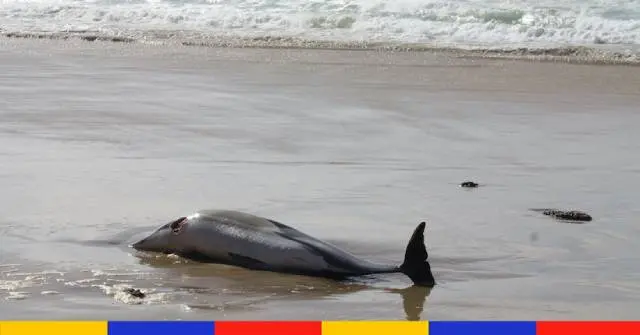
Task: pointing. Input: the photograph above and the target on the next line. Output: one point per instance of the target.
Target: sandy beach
(102, 142)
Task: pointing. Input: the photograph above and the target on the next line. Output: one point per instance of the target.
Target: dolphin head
(166, 239)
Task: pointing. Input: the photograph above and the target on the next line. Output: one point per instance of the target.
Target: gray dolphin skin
(252, 242)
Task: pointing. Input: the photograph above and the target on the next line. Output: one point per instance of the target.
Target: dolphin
(249, 241)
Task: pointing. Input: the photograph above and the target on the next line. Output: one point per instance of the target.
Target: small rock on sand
(134, 292)
(469, 184)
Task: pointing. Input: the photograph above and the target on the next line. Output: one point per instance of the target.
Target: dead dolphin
(253, 242)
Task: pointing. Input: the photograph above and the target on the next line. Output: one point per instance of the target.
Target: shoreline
(581, 55)
(104, 140)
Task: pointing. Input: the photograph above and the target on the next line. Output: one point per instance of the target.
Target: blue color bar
(482, 328)
(161, 327)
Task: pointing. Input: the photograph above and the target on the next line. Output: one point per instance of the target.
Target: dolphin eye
(176, 226)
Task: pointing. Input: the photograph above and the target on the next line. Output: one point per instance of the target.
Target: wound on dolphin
(257, 243)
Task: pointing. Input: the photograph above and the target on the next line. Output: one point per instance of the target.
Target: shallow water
(102, 143)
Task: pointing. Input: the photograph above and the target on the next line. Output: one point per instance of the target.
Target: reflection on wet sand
(256, 287)
(413, 299)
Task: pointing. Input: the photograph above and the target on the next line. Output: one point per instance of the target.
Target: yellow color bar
(374, 327)
(53, 328)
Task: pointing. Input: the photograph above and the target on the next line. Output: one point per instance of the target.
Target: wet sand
(103, 142)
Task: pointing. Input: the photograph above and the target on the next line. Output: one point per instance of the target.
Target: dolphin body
(257, 243)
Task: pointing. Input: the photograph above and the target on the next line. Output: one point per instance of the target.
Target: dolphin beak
(138, 244)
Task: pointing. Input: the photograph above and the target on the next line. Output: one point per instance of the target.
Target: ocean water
(461, 23)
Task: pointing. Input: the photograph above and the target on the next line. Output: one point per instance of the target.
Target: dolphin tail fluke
(415, 265)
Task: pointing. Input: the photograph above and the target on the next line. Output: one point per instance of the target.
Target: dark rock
(469, 184)
(134, 292)
(89, 38)
(566, 215)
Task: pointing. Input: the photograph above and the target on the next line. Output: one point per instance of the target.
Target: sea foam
(480, 24)
(412, 21)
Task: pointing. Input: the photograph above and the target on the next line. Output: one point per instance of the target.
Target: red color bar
(588, 328)
(268, 328)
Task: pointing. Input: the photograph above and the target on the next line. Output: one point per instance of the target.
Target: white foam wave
(11, 285)
(487, 22)
(17, 296)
